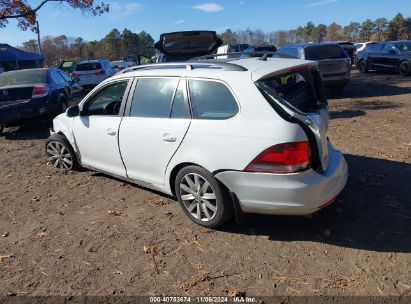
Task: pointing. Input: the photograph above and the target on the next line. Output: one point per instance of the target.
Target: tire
(208, 205)
(60, 153)
(363, 67)
(404, 68)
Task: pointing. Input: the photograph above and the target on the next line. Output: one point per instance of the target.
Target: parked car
(182, 46)
(334, 63)
(67, 66)
(247, 135)
(34, 93)
(119, 65)
(258, 51)
(232, 48)
(91, 72)
(394, 56)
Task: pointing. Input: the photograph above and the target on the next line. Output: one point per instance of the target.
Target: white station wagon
(225, 138)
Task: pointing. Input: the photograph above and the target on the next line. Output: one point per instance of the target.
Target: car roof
(213, 68)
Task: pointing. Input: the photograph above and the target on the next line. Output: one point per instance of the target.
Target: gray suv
(334, 63)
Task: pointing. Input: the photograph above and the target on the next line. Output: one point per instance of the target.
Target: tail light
(74, 75)
(101, 72)
(40, 90)
(282, 158)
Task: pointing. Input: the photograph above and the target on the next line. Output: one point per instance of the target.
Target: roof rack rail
(189, 65)
(238, 55)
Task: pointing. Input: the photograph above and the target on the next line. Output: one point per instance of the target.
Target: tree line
(379, 29)
(116, 45)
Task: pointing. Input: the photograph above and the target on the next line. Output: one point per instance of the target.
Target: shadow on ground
(35, 130)
(372, 213)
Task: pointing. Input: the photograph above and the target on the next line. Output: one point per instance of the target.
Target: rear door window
(180, 108)
(324, 52)
(153, 97)
(211, 100)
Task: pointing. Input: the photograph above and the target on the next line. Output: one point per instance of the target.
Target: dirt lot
(84, 233)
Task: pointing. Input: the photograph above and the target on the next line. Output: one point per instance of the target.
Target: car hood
(189, 43)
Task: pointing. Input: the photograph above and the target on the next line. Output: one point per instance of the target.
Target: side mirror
(73, 111)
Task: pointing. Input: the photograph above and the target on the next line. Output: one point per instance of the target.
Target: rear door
(156, 123)
(373, 56)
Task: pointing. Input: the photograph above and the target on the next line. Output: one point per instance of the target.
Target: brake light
(282, 158)
(40, 90)
(74, 75)
(101, 72)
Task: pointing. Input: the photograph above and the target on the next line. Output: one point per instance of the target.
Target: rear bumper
(14, 114)
(288, 194)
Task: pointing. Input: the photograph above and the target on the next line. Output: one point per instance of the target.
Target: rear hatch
(182, 46)
(17, 86)
(332, 59)
(298, 95)
(89, 72)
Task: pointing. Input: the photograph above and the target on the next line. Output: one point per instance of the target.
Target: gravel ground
(84, 233)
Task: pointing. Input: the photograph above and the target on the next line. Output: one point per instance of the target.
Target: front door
(154, 128)
(96, 129)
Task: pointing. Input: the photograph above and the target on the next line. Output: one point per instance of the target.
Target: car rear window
(23, 77)
(89, 66)
(211, 100)
(323, 52)
(303, 89)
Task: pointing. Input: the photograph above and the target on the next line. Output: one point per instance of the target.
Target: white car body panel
(153, 143)
(97, 143)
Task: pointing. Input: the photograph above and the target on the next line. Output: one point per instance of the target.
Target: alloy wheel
(59, 156)
(198, 197)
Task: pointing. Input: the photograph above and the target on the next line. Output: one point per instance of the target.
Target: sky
(156, 16)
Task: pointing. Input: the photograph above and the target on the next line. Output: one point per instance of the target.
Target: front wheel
(362, 66)
(404, 68)
(60, 153)
(202, 198)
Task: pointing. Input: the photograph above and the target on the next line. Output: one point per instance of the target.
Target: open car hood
(189, 43)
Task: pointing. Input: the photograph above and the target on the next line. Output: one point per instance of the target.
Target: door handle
(168, 137)
(111, 132)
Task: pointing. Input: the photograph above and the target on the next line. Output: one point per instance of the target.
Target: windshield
(403, 46)
(23, 77)
(301, 89)
(324, 52)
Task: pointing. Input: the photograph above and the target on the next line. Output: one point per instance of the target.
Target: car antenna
(264, 57)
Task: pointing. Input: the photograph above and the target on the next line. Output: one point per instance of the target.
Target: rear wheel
(202, 198)
(60, 153)
(404, 68)
(362, 67)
